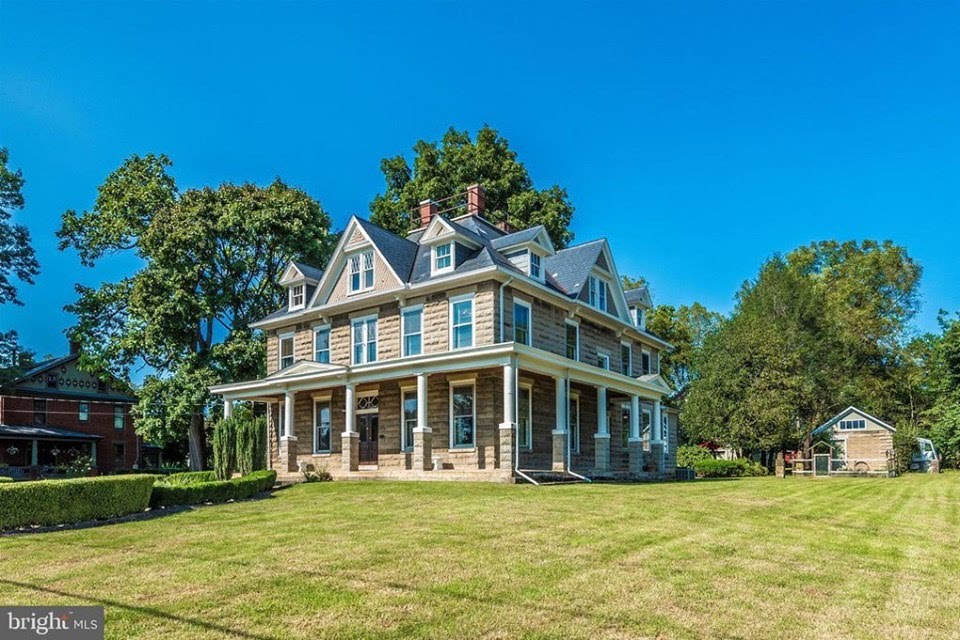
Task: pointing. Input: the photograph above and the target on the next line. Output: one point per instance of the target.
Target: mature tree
(686, 328)
(17, 257)
(630, 283)
(446, 168)
(14, 358)
(818, 330)
(943, 370)
(211, 259)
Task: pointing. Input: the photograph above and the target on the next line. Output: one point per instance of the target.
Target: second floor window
(521, 322)
(626, 359)
(412, 331)
(118, 417)
(364, 340)
(573, 341)
(603, 361)
(443, 260)
(83, 413)
(296, 297)
(361, 272)
(644, 362)
(286, 350)
(39, 411)
(461, 323)
(321, 344)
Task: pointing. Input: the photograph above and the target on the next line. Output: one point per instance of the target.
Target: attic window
(297, 297)
(597, 293)
(640, 317)
(850, 425)
(443, 257)
(361, 272)
(536, 270)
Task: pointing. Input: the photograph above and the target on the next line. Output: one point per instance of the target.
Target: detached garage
(853, 442)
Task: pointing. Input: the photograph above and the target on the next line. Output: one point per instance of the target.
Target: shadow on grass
(147, 611)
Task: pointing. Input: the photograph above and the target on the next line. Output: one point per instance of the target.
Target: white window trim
(665, 430)
(473, 320)
(471, 382)
(601, 354)
(571, 323)
(529, 388)
(529, 308)
(281, 427)
(629, 346)
(403, 328)
(366, 394)
(317, 329)
(360, 255)
(404, 390)
(434, 257)
(353, 351)
(530, 254)
(293, 355)
(318, 400)
(303, 296)
(574, 441)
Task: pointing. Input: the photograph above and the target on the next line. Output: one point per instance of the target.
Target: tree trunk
(197, 441)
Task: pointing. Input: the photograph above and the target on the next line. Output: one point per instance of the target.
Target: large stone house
(55, 412)
(462, 351)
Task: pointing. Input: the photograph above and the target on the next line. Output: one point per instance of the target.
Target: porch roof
(306, 375)
(35, 432)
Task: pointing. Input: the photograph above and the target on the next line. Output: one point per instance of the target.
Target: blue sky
(700, 138)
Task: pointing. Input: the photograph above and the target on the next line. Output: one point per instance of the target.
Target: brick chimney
(74, 347)
(476, 200)
(428, 209)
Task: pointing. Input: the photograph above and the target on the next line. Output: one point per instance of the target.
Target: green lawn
(753, 558)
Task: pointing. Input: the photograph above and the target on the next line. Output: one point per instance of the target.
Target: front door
(368, 424)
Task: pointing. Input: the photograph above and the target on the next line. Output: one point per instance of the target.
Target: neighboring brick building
(55, 412)
(462, 351)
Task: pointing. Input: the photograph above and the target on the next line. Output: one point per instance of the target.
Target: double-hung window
(573, 340)
(603, 361)
(644, 362)
(409, 411)
(321, 426)
(364, 332)
(626, 359)
(39, 411)
(461, 322)
(118, 415)
(536, 270)
(321, 344)
(525, 417)
(412, 330)
(463, 415)
(286, 350)
(597, 293)
(297, 297)
(443, 258)
(574, 417)
(361, 272)
(521, 322)
(83, 412)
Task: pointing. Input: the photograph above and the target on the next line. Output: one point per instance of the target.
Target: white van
(926, 456)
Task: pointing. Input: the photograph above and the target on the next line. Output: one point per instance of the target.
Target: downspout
(502, 287)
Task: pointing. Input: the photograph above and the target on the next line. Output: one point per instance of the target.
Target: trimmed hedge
(188, 477)
(51, 502)
(729, 468)
(5, 479)
(167, 495)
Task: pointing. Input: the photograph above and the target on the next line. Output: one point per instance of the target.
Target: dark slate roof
(48, 364)
(519, 237)
(309, 272)
(42, 432)
(399, 253)
(640, 295)
(569, 268)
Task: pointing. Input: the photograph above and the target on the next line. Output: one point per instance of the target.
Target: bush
(5, 479)
(189, 477)
(689, 455)
(312, 473)
(729, 468)
(166, 495)
(49, 502)
(225, 448)
(905, 446)
(251, 444)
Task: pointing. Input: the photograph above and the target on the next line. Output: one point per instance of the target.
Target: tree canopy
(211, 260)
(17, 256)
(446, 168)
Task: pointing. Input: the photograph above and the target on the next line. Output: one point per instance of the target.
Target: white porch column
(289, 432)
(635, 417)
(603, 418)
(601, 439)
(350, 439)
(657, 448)
(422, 433)
(657, 427)
(635, 442)
(560, 432)
(508, 428)
(227, 408)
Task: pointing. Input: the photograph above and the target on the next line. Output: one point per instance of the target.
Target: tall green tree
(943, 375)
(17, 256)
(14, 358)
(442, 169)
(685, 327)
(211, 259)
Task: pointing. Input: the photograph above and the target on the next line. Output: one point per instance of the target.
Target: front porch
(489, 414)
(29, 452)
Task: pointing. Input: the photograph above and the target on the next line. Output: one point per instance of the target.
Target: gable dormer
(300, 281)
(639, 304)
(449, 245)
(527, 250)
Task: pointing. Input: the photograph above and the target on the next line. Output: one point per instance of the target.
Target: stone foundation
(351, 450)
(635, 451)
(601, 443)
(507, 432)
(559, 451)
(422, 448)
(288, 453)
